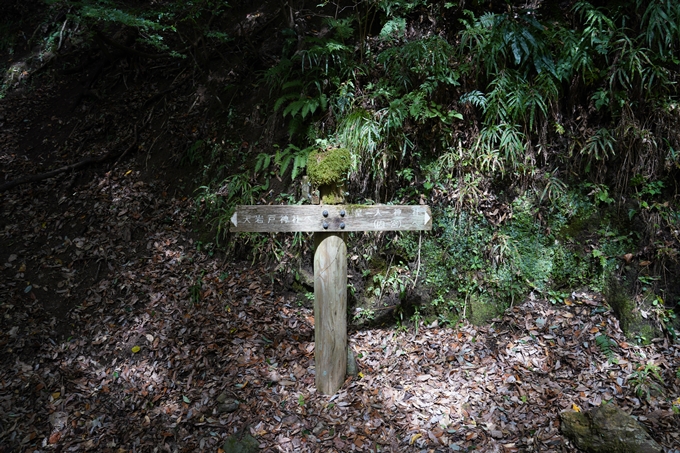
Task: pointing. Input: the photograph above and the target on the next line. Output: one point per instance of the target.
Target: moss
(482, 310)
(643, 331)
(332, 198)
(328, 167)
(622, 305)
(633, 325)
(377, 264)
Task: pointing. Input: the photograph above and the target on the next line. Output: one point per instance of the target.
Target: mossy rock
(328, 167)
(642, 330)
(482, 310)
(607, 429)
(633, 325)
(241, 444)
(621, 303)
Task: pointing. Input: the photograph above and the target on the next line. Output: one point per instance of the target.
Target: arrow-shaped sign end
(234, 219)
(427, 218)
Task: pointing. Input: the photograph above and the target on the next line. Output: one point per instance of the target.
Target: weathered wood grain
(330, 312)
(328, 222)
(310, 218)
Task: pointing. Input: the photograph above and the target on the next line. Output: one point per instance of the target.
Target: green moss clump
(482, 310)
(621, 303)
(328, 167)
(632, 324)
(332, 199)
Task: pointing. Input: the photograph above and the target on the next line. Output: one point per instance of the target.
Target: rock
(496, 434)
(318, 428)
(306, 278)
(58, 420)
(607, 429)
(290, 420)
(245, 444)
(352, 367)
(222, 397)
(228, 406)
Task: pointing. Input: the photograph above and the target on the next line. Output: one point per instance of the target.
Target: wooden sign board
(330, 264)
(330, 218)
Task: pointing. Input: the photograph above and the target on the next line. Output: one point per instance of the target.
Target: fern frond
(283, 99)
(475, 98)
(605, 344)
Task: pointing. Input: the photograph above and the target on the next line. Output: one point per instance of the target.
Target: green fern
(262, 162)
(660, 26)
(645, 380)
(605, 344)
(292, 155)
(501, 146)
(600, 145)
(427, 59)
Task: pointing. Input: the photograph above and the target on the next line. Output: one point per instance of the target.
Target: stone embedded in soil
(246, 444)
(607, 429)
(352, 367)
(228, 406)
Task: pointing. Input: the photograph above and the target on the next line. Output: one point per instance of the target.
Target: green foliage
(645, 380)
(161, 27)
(393, 30)
(600, 145)
(476, 268)
(420, 61)
(290, 157)
(665, 316)
(395, 280)
(105, 12)
(501, 146)
(305, 79)
(196, 289)
(605, 344)
(567, 114)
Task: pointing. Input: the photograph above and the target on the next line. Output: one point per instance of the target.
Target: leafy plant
(195, 290)
(605, 344)
(292, 157)
(364, 315)
(305, 78)
(665, 316)
(646, 380)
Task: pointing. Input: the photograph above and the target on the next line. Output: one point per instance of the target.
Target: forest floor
(119, 332)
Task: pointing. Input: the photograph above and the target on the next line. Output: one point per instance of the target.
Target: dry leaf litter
(163, 347)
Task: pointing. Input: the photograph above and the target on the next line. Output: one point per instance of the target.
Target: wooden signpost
(328, 222)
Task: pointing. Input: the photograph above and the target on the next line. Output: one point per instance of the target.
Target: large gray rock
(607, 429)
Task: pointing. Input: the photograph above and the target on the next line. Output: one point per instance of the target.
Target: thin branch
(61, 34)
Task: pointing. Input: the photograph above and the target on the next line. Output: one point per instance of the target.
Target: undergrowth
(542, 137)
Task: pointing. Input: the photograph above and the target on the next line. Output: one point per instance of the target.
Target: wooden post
(330, 312)
(329, 223)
